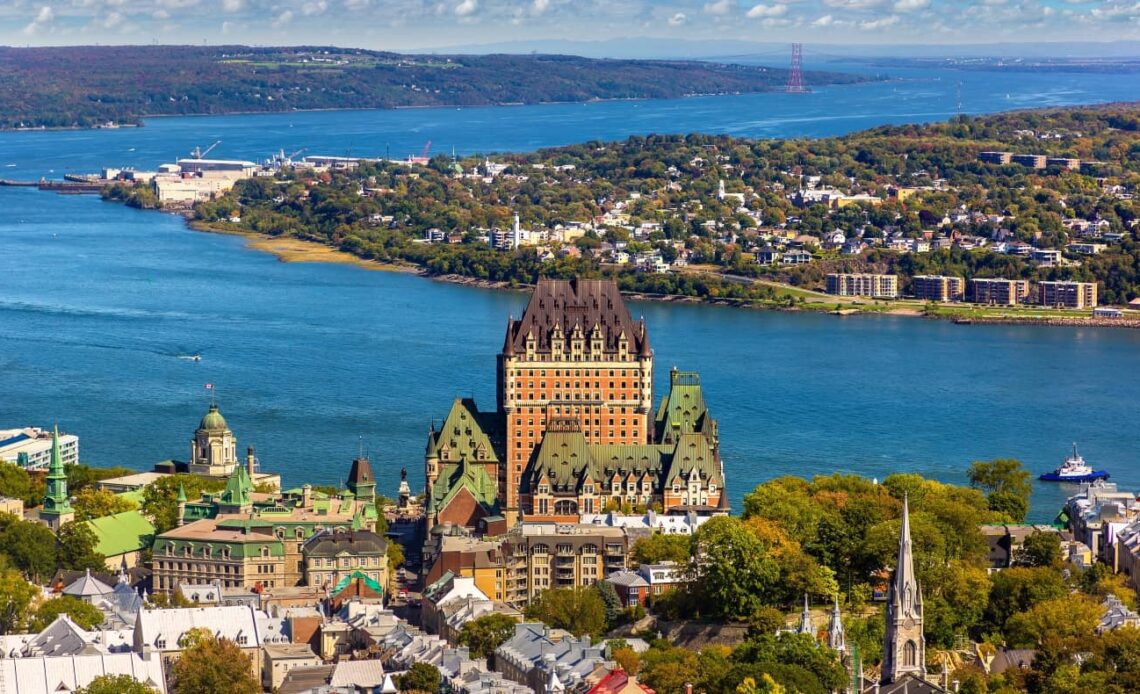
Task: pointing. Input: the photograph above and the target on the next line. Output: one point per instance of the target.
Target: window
(910, 654)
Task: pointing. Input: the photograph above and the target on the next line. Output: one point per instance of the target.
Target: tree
(578, 610)
(76, 548)
(1040, 549)
(732, 574)
(1072, 617)
(421, 677)
(95, 503)
(160, 498)
(668, 668)
(658, 547)
(484, 634)
(1006, 483)
(16, 597)
(614, 609)
(115, 684)
(86, 615)
(80, 476)
(210, 665)
(30, 548)
(626, 658)
(15, 483)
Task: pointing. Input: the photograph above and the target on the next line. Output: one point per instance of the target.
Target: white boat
(1074, 469)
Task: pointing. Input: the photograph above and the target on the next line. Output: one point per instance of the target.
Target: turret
(836, 637)
(181, 504)
(806, 624)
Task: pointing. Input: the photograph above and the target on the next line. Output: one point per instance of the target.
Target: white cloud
(777, 10)
(113, 20)
(314, 8)
(719, 8)
(677, 19)
(853, 4)
(42, 22)
(824, 21)
(227, 27)
(1117, 11)
(873, 24)
(911, 5)
(541, 6)
(233, 5)
(283, 19)
(466, 8)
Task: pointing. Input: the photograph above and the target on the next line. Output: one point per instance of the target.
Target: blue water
(98, 301)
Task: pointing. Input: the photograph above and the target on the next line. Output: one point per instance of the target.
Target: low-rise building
(939, 288)
(334, 558)
(280, 658)
(1005, 541)
(662, 577)
(30, 447)
(1033, 161)
(863, 284)
(1046, 257)
(630, 587)
(161, 631)
(1100, 512)
(1068, 294)
(537, 657)
(122, 537)
(998, 292)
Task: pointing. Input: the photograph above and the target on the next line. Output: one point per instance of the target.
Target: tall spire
(904, 648)
(806, 625)
(56, 508)
(836, 637)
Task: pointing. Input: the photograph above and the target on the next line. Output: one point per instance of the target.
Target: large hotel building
(574, 429)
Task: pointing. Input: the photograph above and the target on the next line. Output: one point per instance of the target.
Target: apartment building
(998, 292)
(939, 288)
(1067, 294)
(863, 284)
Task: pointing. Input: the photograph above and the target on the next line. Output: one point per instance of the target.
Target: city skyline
(437, 24)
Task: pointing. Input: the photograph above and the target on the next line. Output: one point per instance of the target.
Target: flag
(209, 386)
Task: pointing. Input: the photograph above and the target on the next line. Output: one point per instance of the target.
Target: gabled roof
(467, 432)
(239, 488)
(683, 410)
(233, 622)
(68, 673)
(464, 477)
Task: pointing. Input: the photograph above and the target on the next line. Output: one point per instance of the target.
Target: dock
(66, 187)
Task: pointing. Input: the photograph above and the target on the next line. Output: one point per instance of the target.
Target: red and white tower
(796, 72)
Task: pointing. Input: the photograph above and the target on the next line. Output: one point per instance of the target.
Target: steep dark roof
(585, 304)
(361, 473)
(332, 543)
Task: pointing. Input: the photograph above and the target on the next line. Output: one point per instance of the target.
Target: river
(98, 302)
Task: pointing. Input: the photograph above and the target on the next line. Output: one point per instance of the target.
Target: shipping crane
(199, 153)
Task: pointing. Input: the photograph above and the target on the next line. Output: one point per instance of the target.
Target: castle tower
(56, 509)
(575, 353)
(360, 480)
(836, 637)
(904, 649)
(213, 451)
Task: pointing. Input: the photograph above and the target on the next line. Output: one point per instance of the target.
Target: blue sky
(409, 24)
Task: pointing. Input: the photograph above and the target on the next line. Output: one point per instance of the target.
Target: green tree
(421, 677)
(15, 483)
(115, 684)
(30, 547)
(1016, 590)
(659, 547)
(578, 610)
(1040, 549)
(76, 548)
(1072, 617)
(86, 615)
(484, 634)
(732, 573)
(80, 476)
(1007, 485)
(16, 598)
(209, 665)
(95, 503)
(614, 609)
(668, 669)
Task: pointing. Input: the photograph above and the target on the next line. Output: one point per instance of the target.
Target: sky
(412, 24)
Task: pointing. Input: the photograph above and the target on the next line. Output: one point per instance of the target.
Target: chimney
(306, 496)
(688, 688)
(249, 462)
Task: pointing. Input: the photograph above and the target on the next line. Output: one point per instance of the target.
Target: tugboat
(1074, 469)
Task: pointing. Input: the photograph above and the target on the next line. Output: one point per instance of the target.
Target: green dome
(213, 421)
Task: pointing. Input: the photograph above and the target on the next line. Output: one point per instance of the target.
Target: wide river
(98, 302)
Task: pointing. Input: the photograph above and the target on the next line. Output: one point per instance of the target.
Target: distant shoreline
(294, 250)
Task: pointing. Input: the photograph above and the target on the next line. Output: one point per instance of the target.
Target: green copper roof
(56, 500)
(343, 583)
(121, 533)
(464, 475)
(238, 488)
(683, 410)
(213, 421)
(467, 432)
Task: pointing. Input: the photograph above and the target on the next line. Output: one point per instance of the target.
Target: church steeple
(56, 508)
(836, 637)
(806, 624)
(905, 646)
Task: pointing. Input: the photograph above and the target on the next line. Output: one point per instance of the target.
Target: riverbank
(790, 299)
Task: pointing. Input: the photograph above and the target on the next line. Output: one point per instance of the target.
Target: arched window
(910, 654)
(565, 507)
